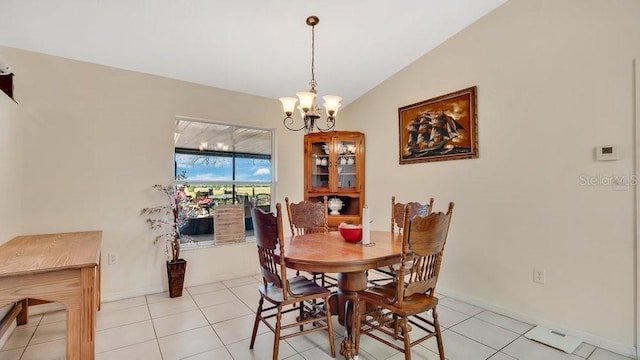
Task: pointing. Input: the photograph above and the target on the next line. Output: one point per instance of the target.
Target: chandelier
(308, 110)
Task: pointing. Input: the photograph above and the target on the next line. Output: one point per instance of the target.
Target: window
(220, 164)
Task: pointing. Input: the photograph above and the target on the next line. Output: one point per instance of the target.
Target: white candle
(366, 226)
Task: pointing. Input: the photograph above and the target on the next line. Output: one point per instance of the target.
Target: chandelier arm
(289, 121)
(331, 120)
(331, 124)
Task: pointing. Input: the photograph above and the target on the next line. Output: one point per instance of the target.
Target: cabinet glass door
(320, 164)
(346, 164)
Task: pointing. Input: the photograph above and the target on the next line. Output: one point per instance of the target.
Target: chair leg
(301, 303)
(406, 338)
(358, 313)
(276, 335)
(396, 325)
(256, 322)
(330, 327)
(436, 325)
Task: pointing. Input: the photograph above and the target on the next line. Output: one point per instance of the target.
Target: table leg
(88, 308)
(344, 302)
(348, 345)
(99, 280)
(74, 333)
(81, 318)
(23, 316)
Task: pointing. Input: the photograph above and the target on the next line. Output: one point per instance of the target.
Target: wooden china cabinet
(334, 167)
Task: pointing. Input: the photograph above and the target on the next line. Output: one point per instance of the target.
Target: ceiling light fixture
(309, 111)
(221, 146)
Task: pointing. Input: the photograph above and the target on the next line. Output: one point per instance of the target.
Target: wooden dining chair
(398, 212)
(397, 222)
(306, 217)
(392, 307)
(280, 291)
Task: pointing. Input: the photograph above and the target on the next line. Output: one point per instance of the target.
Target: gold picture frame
(441, 128)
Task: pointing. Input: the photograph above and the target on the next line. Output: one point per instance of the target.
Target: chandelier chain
(309, 110)
(313, 57)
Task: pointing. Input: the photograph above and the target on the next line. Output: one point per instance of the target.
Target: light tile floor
(214, 321)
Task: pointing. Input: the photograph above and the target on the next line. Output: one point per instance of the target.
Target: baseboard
(158, 289)
(228, 276)
(625, 350)
(131, 293)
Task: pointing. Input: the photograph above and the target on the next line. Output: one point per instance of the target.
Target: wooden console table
(62, 268)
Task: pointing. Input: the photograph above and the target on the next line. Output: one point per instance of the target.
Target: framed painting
(442, 128)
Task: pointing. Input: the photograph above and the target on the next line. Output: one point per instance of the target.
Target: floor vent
(554, 339)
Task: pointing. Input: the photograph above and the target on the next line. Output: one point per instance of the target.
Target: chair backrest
(423, 241)
(398, 212)
(270, 241)
(307, 216)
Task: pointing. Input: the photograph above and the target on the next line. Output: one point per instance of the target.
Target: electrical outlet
(113, 258)
(539, 275)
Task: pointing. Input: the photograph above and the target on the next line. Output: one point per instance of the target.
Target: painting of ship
(428, 133)
(439, 129)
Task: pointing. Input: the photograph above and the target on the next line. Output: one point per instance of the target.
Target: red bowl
(352, 235)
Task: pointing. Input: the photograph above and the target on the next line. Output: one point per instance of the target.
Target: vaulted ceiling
(259, 47)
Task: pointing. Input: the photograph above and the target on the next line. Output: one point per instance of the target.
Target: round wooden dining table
(327, 252)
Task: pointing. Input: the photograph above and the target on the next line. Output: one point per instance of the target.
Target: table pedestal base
(344, 302)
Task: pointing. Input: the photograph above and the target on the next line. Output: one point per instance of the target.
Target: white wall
(96, 139)
(10, 163)
(10, 180)
(554, 80)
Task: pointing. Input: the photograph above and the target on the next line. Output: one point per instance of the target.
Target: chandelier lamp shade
(309, 112)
